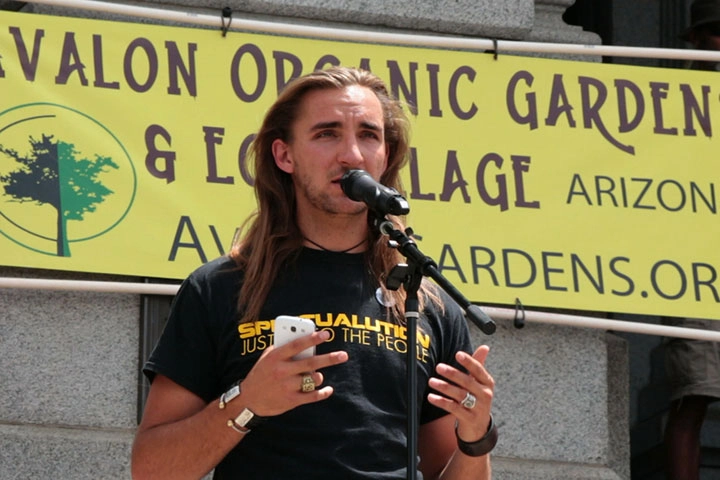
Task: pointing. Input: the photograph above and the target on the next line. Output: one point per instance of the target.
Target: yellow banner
(562, 184)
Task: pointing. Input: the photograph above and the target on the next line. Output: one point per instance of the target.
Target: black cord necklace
(336, 251)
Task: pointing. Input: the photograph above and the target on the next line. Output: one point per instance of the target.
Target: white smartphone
(288, 328)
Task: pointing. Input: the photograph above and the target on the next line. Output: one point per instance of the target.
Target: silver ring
(308, 384)
(469, 401)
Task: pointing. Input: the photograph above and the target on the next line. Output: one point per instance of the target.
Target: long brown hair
(271, 236)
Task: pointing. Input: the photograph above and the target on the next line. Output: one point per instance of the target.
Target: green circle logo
(64, 178)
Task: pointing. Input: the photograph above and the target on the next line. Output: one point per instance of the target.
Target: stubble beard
(325, 202)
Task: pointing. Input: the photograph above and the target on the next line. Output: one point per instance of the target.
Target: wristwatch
(245, 422)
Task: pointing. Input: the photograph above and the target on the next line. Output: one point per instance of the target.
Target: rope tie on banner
(519, 320)
(226, 13)
(495, 48)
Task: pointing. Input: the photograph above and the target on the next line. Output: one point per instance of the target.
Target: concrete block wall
(69, 381)
(69, 360)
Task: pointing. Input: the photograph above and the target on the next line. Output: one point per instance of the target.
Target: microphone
(358, 185)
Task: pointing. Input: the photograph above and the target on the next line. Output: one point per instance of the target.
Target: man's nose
(350, 154)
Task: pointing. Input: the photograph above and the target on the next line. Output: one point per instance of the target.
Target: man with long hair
(223, 398)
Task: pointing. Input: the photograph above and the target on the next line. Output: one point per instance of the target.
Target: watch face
(232, 393)
(244, 418)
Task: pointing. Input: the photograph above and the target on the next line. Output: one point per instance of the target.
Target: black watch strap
(245, 421)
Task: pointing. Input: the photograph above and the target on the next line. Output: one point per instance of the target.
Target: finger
(481, 353)
(305, 395)
(449, 390)
(315, 379)
(316, 362)
(475, 364)
(314, 396)
(451, 376)
(296, 346)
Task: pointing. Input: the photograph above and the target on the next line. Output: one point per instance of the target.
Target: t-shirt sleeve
(185, 350)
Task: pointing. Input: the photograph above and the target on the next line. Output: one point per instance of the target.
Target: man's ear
(281, 153)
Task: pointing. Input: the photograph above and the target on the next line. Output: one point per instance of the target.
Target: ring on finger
(308, 384)
(469, 401)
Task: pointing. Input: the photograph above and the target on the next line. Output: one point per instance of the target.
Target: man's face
(336, 130)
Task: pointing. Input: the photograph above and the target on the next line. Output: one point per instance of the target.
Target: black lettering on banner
(614, 269)
(662, 198)
(577, 187)
(692, 109)
(596, 281)
(186, 224)
(140, 56)
(167, 169)
(506, 256)
(591, 110)
(398, 83)
(100, 81)
(646, 182)
(521, 165)
(559, 103)
(29, 65)
(218, 243)
(176, 65)
(260, 66)
(711, 202)
(2, 72)
(547, 270)
(214, 136)
(433, 71)
(659, 92)
(627, 124)
(501, 199)
(455, 265)
(709, 283)
(243, 160)
(452, 172)
(453, 93)
(645, 193)
(70, 62)
(590, 274)
(281, 78)
(415, 193)
(151, 59)
(476, 265)
(594, 98)
(680, 275)
(454, 180)
(609, 190)
(531, 116)
(515, 261)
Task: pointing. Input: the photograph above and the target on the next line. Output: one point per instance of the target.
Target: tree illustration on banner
(53, 174)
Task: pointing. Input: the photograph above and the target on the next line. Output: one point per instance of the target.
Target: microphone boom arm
(427, 266)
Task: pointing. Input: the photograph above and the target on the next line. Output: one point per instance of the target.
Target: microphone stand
(410, 276)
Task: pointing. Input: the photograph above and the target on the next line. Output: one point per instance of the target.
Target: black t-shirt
(360, 431)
